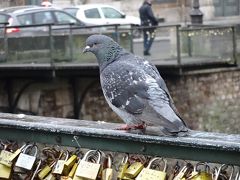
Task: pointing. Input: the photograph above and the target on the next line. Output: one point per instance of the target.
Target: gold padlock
(89, 170)
(5, 163)
(5, 157)
(133, 170)
(5, 172)
(123, 167)
(44, 172)
(198, 174)
(152, 174)
(60, 165)
(107, 173)
(16, 153)
(25, 160)
(69, 164)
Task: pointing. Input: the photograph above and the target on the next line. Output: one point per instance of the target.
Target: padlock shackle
(219, 171)
(109, 161)
(160, 160)
(207, 167)
(125, 159)
(33, 146)
(88, 154)
(64, 153)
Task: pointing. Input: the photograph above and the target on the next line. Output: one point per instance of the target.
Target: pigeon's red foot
(127, 127)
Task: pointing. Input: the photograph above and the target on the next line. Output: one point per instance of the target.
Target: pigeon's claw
(127, 127)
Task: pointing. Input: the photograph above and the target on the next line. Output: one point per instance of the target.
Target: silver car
(35, 21)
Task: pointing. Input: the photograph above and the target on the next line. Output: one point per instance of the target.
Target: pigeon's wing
(122, 87)
(154, 73)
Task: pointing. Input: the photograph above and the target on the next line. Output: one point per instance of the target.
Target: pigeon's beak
(86, 49)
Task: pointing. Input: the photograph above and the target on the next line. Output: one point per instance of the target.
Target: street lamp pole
(195, 14)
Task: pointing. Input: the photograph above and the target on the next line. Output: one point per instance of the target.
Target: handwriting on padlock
(26, 161)
(5, 158)
(87, 168)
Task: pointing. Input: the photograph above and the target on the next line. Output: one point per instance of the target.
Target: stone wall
(207, 101)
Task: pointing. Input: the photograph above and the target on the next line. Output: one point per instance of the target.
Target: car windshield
(72, 11)
(111, 13)
(92, 13)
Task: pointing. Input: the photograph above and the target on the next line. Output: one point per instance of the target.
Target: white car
(99, 14)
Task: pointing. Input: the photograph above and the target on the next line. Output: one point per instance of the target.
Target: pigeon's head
(103, 47)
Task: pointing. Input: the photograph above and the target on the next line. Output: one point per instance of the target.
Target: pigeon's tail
(183, 131)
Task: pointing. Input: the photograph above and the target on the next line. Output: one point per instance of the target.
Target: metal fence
(172, 44)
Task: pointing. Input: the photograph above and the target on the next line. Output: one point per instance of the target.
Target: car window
(92, 13)
(63, 18)
(43, 17)
(111, 13)
(72, 11)
(3, 18)
(25, 19)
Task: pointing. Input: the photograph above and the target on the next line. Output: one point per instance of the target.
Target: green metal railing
(198, 146)
(172, 42)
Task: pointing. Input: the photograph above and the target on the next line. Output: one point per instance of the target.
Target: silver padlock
(25, 160)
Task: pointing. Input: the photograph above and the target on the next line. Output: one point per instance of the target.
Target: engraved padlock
(25, 160)
(123, 167)
(152, 174)
(5, 157)
(199, 174)
(5, 163)
(133, 170)
(107, 173)
(60, 165)
(89, 170)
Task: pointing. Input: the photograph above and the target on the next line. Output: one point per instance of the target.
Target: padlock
(50, 177)
(5, 157)
(175, 170)
(16, 153)
(133, 170)
(183, 173)
(73, 170)
(69, 164)
(198, 174)
(60, 165)
(107, 173)
(5, 163)
(89, 170)
(220, 173)
(152, 174)
(27, 161)
(36, 170)
(5, 172)
(44, 172)
(123, 167)
(237, 177)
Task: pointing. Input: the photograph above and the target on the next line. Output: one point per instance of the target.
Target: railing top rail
(196, 146)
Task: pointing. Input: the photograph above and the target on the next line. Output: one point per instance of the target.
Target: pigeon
(134, 88)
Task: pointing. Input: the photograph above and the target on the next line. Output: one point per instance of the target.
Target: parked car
(35, 15)
(100, 14)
